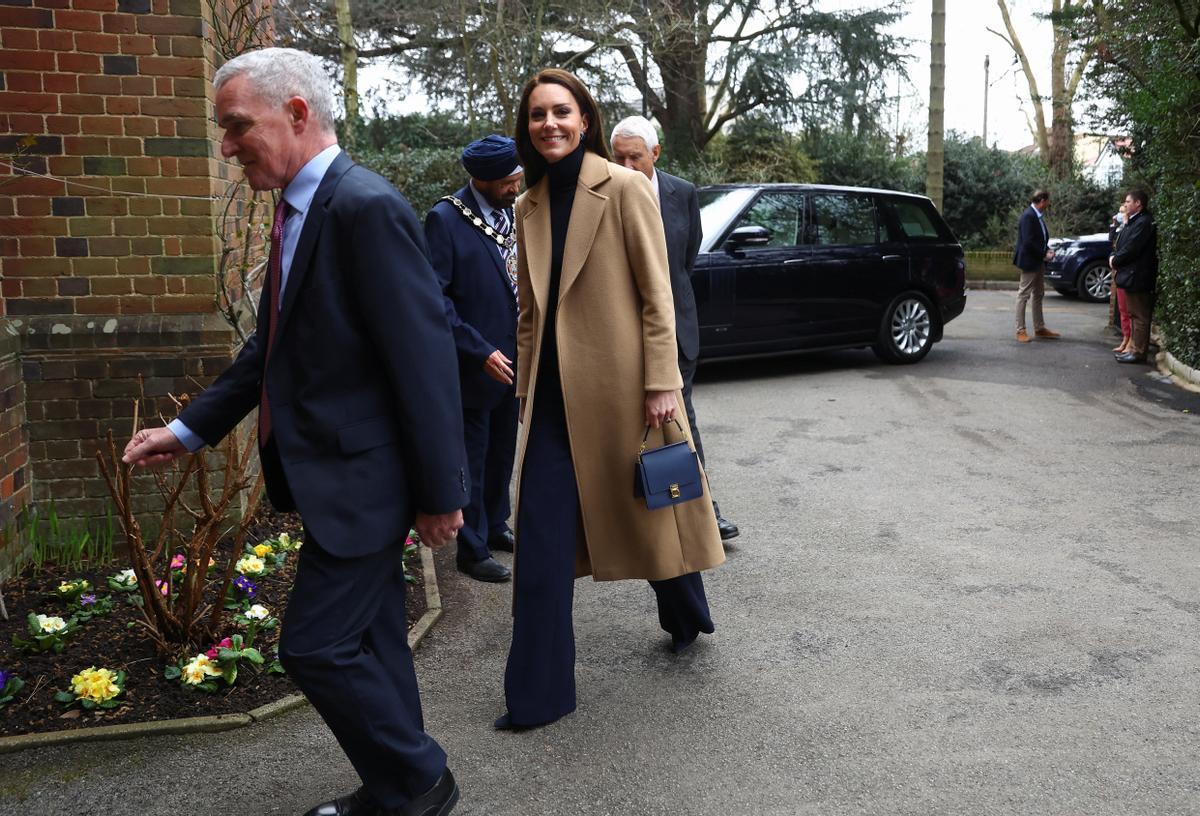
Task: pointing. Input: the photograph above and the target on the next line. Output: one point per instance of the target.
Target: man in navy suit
(1030, 256)
(359, 426)
(635, 145)
(471, 239)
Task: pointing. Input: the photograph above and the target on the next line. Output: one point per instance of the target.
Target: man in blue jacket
(471, 238)
(1030, 256)
(359, 426)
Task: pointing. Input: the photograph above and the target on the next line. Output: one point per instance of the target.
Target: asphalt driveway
(966, 586)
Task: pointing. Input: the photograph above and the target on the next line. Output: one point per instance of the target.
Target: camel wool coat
(616, 341)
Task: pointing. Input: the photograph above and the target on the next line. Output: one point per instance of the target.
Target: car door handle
(893, 257)
(791, 261)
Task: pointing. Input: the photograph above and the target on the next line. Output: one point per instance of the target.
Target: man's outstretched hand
(438, 530)
(153, 447)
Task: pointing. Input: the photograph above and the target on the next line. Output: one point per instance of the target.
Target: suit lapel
(467, 196)
(302, 258)
(586, 214)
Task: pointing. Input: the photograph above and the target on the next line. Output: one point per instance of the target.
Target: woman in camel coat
(597, 364)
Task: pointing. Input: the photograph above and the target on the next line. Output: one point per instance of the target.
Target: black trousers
(539, 680)
(345, 643)
(491, 440)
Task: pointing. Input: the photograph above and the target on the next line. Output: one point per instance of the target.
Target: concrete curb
(993, 284)
(221, 722)
(1184, 376)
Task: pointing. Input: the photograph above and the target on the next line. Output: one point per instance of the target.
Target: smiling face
(267, 140)
(555, 121)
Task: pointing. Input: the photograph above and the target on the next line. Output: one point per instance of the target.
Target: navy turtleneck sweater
(562, 178)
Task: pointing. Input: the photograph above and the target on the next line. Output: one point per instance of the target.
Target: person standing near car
(1118, 294)
(1135, 270)
(1030, 256)
(635, 144)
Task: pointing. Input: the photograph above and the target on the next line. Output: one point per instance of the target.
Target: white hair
(638, 126)
(278, 74)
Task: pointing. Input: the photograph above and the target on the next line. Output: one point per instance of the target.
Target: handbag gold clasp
(674, 491)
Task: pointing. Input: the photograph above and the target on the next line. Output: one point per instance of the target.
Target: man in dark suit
(1030, 256)
(359, 426)
(635, 145)
(1135, 270)
(471, 239)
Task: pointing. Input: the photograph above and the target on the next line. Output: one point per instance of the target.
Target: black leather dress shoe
(727, 528)
(358, 803)
(489, 569)
(437, 801)
(502, 542)
(504, 723)
(1130, 357)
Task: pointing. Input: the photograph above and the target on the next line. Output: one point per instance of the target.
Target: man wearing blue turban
(471, 241)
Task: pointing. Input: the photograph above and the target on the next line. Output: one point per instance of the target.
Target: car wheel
(906, 334)
(1095, 281)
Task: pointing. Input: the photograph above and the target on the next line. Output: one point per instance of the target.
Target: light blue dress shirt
(1041, 222)
(484, 208)
(299, 195)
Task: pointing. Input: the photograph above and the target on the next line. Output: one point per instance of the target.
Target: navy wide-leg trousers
(539, 681)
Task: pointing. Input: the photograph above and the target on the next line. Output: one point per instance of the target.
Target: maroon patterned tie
(274, 284)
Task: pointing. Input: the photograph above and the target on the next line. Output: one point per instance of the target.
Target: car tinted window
(718, 207)
(842, 220)
(779, 213)
(915, 220)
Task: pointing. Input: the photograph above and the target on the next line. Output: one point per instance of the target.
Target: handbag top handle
(646, 435)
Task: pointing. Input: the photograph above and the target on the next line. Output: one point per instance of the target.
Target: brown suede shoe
(1046, 333)
(1022, 337)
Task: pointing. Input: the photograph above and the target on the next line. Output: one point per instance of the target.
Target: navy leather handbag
(667, 475)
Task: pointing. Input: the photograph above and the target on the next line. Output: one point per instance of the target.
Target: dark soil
(110, 642)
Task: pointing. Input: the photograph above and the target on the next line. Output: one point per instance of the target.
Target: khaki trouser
(1033, 286)
(1140, 305)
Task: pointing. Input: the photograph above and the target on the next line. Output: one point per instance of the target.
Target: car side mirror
(748, 236)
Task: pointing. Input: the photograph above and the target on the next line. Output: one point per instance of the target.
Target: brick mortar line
(220, 722)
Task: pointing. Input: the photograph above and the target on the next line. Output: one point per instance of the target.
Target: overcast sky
(967, 42)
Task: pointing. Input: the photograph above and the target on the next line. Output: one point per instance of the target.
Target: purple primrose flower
(3, 679)
(245, 586)
(87, 600)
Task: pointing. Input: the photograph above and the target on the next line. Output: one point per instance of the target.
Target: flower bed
(88, 661)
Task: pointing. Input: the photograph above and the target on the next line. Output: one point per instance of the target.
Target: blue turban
(492, 157)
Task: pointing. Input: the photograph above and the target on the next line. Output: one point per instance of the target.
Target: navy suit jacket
(1030, 253)
(365, 414)
(477, 297)
(680, 206)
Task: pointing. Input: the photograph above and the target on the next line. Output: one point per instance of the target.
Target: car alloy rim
(910, 326)
(1097, 282)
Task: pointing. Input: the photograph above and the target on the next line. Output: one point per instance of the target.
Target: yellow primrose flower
(127, 577)
(257, 612)
(263, 550)
(250, 565)
(97, 685)
(285, 540)
(51, 623)
(193, 674)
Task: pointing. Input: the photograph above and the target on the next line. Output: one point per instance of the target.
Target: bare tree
(1056, 142)
(935, 155)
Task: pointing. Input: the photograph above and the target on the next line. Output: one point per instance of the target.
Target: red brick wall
(107, 271)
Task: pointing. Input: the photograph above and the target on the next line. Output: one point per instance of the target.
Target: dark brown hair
(1139, 195)
(593, 140)
(1038, 196)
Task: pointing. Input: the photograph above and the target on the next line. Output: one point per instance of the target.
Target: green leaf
(64, 697)
(87, 704)
(172, 673)
(253, 655)
(228, 655)
(230, 673)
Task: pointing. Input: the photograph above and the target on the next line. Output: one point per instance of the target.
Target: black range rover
(801, 267)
